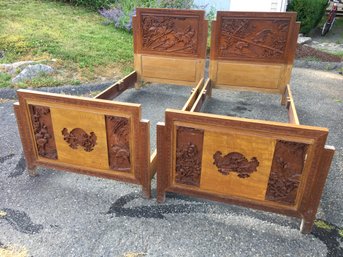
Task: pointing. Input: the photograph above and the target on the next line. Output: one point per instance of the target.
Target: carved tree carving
(169, 34)
(235, 162)
(189, 155)
(78, 137)
(118, 132)
(253, 38)
(188, 165)
(287, 166)
(43, 133)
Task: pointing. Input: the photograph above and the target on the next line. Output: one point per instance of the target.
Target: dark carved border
(118, 143)
(235, 162)
(43, 131)
(189, 155)
(287, 166)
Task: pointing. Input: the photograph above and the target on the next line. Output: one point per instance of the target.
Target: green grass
(5, 80)
(322, 224)
(84, 49)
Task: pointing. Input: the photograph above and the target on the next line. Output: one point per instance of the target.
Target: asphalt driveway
(65, 214)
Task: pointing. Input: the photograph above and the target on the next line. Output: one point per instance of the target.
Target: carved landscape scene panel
(189, 146)
(118, 143)
(173, 35)
(255, 39)
(43, 131)
(287, 167)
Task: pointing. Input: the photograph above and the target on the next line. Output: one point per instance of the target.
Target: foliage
(93, 4)
(5, 80)
(121, 12)
(310, 12)
(82, 48)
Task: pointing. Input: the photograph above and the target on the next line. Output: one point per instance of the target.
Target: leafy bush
(93, 4)
(121, 12)
(310, 12)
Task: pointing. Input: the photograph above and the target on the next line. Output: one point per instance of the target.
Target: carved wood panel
(189, 155)
(118, 143)
(254, 37)
(287, 167)
(43, 131)
(78, 137)
(235, 162)
(169, 32)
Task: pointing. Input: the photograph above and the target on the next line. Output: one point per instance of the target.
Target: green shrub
(310, 12)
(93, 4)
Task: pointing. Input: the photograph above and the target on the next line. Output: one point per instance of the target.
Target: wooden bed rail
(119, 87)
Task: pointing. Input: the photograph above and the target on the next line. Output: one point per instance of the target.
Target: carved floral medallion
(78, 137)
(235, 162)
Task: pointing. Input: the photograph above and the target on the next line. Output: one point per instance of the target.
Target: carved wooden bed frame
(272, 166)
(105, 138)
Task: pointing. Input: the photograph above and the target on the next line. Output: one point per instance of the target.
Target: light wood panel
(174, 70)
(249, 75)
(70, 119)
(253, 187)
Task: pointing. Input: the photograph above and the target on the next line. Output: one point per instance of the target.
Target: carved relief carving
(43, 132)
(287, 166)
(189, 155)
(253, 38)
(169, 34)
(78, 137)
(118, 133)
(235, 162)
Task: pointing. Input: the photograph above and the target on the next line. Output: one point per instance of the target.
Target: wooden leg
(162, 177)
(161, 196)
(306, 225)
(144, 149)
(146, 190)
(32, 171)
(284, 97)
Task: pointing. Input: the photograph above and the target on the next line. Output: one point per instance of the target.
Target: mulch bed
(304, 51)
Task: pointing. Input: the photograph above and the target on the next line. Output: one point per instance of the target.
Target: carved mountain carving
(189, 155)
(235, 162)
(78, 137)
(257, 39)
(43, 132)
(169, 34)
(287, 166)
(118, 132)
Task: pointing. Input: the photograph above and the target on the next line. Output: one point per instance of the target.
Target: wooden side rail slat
(153, 163)
(201, 97)
(292, 111)
(194, 95)
(119, 87)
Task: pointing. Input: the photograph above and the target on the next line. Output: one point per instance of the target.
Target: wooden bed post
(162, 170)
(24, 136)
(317, 189)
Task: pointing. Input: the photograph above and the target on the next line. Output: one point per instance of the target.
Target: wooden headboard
(253, 50)
(170, 45)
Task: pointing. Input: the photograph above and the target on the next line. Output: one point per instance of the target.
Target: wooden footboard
(265, 165)
(95, 137)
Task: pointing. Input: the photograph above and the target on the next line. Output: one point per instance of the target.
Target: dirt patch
(304, 51)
